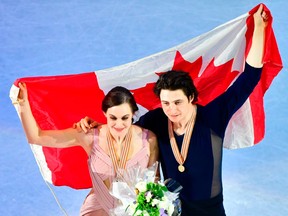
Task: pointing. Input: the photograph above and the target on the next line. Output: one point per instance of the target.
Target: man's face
(175, 104)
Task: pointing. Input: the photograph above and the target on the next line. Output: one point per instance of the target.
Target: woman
(110, 147)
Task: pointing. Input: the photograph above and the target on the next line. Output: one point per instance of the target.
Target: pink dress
(101, 169)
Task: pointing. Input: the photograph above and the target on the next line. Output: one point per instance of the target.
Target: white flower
(155, 202)
(141, 186)
(170, 209)
(138, 212)
(163, 204)
(164, 198)
(148, 196)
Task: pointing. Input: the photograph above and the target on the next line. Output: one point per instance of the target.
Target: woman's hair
(117, 96)
(174, 80)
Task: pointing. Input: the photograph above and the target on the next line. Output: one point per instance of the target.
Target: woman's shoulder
(138, 130)
(148, 138)
(143, 132)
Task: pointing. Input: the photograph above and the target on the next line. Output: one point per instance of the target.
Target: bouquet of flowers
(140, 195)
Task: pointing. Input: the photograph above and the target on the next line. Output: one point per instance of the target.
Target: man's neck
(180, 127)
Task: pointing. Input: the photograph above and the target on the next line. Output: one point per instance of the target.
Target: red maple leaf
(211, 83)
(146, 97)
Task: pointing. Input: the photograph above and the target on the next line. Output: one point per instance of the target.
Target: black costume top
(201, 179)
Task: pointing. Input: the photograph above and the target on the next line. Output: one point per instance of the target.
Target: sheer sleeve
(218, 112)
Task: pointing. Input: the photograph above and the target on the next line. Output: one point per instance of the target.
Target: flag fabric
(214, 60)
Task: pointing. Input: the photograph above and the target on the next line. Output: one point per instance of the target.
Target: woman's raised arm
(50, 138)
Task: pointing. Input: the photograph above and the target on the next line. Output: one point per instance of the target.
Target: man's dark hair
(174, 80)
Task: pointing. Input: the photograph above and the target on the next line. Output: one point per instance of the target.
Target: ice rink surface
(65, 37)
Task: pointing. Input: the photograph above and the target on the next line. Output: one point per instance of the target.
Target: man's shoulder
(156, 113)
(151, 118)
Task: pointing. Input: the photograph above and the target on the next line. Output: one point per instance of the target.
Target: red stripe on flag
(57, 102)
(272, 66)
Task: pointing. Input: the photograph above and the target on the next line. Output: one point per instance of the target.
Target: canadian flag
(214, 61)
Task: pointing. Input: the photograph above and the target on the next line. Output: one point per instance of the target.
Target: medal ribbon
(180, 158)
(124, 151)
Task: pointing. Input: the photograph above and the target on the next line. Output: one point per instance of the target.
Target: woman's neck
(119, 139)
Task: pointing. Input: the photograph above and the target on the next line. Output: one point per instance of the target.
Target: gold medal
(181, 168)
(181, 157)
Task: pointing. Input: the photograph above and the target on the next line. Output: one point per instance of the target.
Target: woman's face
(175, 104)
(119, 119)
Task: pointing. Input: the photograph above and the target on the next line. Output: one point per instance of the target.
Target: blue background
(65, 37)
